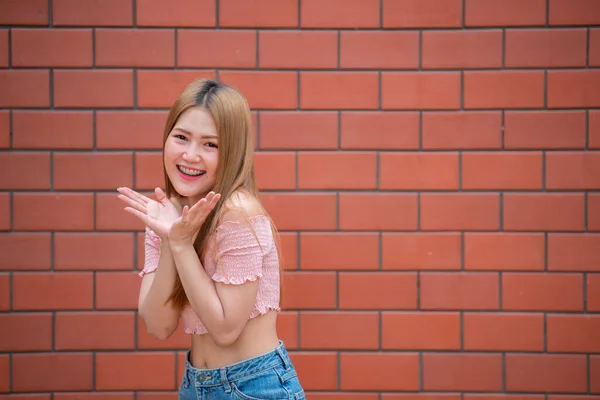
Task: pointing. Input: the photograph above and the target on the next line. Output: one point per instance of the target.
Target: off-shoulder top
(234, 258)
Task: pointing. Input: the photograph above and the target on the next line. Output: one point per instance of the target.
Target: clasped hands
(179, 225)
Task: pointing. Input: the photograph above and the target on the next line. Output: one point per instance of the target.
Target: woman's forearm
(160, 317)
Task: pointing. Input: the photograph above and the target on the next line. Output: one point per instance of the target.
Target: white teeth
(188, 171)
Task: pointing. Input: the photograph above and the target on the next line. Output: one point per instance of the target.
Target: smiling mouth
(190, 171)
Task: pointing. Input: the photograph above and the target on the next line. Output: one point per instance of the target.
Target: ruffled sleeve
(240, 250)
(152, 252)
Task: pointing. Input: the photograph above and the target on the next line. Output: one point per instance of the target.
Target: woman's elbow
(225, 338)
(158, 330)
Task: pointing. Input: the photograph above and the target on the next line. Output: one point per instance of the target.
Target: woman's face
(191, 154)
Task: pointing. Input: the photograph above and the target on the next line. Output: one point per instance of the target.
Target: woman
(212, 254)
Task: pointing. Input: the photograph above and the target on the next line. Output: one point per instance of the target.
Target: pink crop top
(241, 259)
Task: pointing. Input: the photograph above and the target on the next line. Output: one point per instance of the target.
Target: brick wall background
(433, 165)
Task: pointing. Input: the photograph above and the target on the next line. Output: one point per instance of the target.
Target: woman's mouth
(190, 173)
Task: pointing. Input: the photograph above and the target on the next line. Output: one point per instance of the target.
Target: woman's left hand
(185, 228)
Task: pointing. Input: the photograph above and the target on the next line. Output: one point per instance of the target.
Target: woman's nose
(191, 156)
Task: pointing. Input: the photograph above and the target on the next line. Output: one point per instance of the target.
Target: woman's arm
(160, 317)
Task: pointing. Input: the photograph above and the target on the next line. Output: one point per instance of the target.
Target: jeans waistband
(232, 372)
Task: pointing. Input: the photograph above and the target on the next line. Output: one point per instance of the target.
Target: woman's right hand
(157, 215)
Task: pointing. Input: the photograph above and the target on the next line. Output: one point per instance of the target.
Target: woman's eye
(212, 145)
(180, 137)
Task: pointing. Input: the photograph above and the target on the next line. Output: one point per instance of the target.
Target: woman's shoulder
(242, 211)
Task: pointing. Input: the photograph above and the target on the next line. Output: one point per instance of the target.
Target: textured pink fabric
(234, 258)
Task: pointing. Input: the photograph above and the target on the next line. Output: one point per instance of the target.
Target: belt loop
(224, 380)
(285, 360)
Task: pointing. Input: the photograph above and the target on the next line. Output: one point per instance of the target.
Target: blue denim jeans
(270, 376)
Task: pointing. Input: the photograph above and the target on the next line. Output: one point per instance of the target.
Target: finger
(135, 195)
(160, 196)
(139, 214)
(133, 204)
(185, 214)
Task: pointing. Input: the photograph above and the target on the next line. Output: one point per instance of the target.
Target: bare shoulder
(241, 206)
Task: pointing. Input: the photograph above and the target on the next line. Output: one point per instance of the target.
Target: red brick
(379, 49)
(460, 211)
(54, 372)
(53, 211)
(569, 252)
(111, 216)
(503, 332)
(594, 50)
(275, 170)
(422, 13)
(51, 47)
(462, 130)
(341, 251)
(386, 130)
(594, 374)
(313, 211)
(429, 171)
(378, 211)
(326, 14)
(25, 251)
(573, 170)
(5, 292)
(324, 170)
(543, 212)
(339, 90)
(420, 331)
(593, 207)
(505, 12)
(594, 129)
(25, 332)
(504, 251)
(593, 292)
(258, 13)
(422, 396)
(265, 89)
(149, 171)
(160, 88)
(546, 373)
(506, 170)
(24, 88)
(568, 89)
(546, 48)
(544, 129)
(52, 291)
(161, 395)
(573, 333)
(462, 49)
(93, 88)
(309, 290)
(138, 130)
(227, 48)
(379, 371)
(459, 290)
(117, 290)
(378, 290)
(319, 370)
(462, 372)
(329, 330)
(298, 49)
(420, 90)
(94, 331)
(25, 170)
(179, 13)
(421, 251)
(344, 395)
(287, 329)
(92, 13)
(5, 376)
(503, 89)
(96, 251)
(289, 250)
(52, 129)
(85, 171)
(4, 52)
(5, 214)
(24, 12)
(573, 12)
(295, 130)
(5, 135)
(135, 48)
(542, 291)
(93, 396)
(135, 371)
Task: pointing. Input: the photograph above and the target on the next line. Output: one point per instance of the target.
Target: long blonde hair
(235, 171)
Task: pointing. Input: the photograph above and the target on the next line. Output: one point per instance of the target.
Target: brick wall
(433, 165)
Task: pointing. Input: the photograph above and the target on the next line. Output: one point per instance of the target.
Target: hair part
(235, 173)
